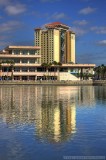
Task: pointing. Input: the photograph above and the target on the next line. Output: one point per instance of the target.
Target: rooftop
(38, 28)
(56, 24)
(22, 47)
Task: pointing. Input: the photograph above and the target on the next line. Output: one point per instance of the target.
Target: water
(51, 122)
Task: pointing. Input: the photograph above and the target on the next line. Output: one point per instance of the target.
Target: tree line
(9, 68)
(100, 72)
(48, 66)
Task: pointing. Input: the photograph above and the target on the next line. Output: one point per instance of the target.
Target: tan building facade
(24, 63)
(57, 43)
(54, 43)
(19, 62)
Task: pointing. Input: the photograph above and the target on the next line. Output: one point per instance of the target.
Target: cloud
(4, 2)
(81, 23)
(57, 16)
(87, 10)
(95, 57)
(101, 43)
(79, 31)
(99, 30)
(10, 26)
(15, 9)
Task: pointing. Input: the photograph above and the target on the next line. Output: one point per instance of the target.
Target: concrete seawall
(56, 83)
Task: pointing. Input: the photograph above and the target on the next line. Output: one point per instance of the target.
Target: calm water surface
(50, 122)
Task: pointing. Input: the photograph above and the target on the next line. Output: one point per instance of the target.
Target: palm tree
(59, 64)
(11, 67)
(11, 62)
(44, 66)
(49, 69)
(8, 62)
(0, 69)
(3, 69)
(100, 71)
(97, 71)
(103, 71)
(55, 64)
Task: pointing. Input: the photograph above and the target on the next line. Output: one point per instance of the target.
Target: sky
(87, 18)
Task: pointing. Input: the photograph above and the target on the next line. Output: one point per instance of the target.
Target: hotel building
(54, 43)
(57, 43)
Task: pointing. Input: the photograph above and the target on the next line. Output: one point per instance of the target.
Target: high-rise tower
(57, 43)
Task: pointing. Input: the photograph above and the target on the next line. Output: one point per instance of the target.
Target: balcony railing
(19, 56)
(23, 64)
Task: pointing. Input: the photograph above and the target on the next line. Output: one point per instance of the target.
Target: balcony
(27, 74)
(23, 65)
(19, 56)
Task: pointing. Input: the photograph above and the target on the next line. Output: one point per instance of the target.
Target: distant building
(57, 43)
(54, 43)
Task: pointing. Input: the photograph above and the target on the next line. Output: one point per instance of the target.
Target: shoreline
(57, 83)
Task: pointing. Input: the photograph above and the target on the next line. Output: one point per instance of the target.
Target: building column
(28, 78)
(35, 78)
(68, 70)
(58, 74)
(36, 69)
(20, 78)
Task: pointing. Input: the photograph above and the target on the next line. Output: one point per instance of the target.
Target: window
(24, 52)
(24, 60)
(31, 69)
(16, 52)
(24, 69)
(32, 52)
(16, 69)
(32, 61)
(16, 60)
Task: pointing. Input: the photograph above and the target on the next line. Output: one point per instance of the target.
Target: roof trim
(22, 47)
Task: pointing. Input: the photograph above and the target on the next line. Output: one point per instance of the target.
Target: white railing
(19, 56)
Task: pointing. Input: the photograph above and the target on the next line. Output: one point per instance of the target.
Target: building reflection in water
(57, 118)
(51, 109)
